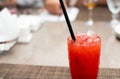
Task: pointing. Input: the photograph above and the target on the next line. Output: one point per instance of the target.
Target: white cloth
(8, 30)
(8, 26)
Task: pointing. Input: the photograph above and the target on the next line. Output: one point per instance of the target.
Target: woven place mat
(12, 71)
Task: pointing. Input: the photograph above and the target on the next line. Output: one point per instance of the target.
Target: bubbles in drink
(90, 38)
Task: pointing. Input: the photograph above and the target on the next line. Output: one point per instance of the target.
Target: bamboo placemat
(13, 71)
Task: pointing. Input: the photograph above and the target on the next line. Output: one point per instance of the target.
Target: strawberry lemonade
(84, 56)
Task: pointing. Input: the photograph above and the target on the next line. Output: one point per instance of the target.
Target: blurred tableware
(114, 7)
(90, 4)
(25, 35)
(72, 13)
(24, 3)
(33, 21)
(8, 30)
(28, 24)
(117, 31)
(8, 26)
(6, 46)
(39, 3)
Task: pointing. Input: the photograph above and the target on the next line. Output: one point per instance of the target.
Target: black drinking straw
(67, 20)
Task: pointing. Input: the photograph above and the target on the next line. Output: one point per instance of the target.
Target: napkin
(27, 24)
(8, 29)
(72, 13)
(25, 35)
(34, 21)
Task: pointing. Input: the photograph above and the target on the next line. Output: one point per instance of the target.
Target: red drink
(84, 55)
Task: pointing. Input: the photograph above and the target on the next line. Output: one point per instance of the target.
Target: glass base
(114, 23)
(89, 23)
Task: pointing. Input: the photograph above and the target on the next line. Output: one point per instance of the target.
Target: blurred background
(35, 31)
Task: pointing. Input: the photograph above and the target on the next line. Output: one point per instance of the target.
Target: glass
(84, 56)
(90, 4)
(114, 7)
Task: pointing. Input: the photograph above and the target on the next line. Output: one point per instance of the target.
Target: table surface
(14, 71)
(49, 44)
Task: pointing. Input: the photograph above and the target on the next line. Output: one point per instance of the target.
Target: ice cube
(90, 33)
(96, 39)
(89, 40)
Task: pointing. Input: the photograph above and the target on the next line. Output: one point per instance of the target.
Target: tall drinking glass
(90, 4)
(114, 7)
(84, 55)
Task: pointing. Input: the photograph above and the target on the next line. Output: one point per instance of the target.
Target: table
(49, 44)
(15, 71)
